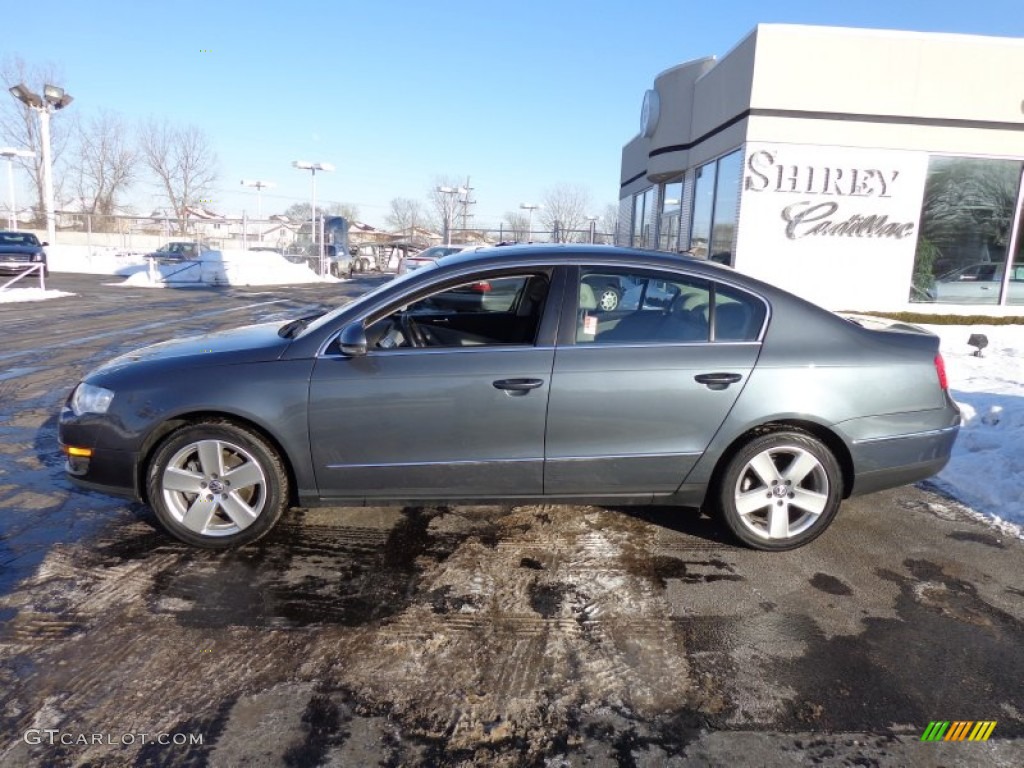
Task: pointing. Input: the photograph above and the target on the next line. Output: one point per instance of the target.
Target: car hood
(249, 344)
(30, 249)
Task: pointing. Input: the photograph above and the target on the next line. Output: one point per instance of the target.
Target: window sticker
(590, 325)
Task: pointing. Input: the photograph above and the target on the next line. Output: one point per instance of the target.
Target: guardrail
(156, 276)
(36, 266)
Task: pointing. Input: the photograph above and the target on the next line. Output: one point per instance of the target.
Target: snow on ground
(94, 260)
(226, 267)
(11, 295)
(986, 471)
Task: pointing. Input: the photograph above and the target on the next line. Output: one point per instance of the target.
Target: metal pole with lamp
(259, 186)
(53, 98)
(10, 153)
(530, 207)
(313, 168)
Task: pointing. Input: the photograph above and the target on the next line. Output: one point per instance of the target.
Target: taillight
(940, 370)
(482, 287)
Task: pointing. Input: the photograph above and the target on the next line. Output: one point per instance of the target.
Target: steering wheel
(412, 331)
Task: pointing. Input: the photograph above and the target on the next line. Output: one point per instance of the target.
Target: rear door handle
(717, 380)
(518, 386)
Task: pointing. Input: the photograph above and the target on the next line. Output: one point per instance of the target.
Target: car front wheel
(780, 491)
(217, 485)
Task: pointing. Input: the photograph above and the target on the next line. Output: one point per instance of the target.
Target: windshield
(367, 297)
(18, 238)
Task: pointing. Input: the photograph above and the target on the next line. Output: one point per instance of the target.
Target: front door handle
(717, 381)
(518, 386)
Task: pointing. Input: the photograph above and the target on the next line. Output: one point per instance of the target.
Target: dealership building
(861, 169)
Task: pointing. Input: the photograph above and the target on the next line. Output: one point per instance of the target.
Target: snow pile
(227, 267)
(986, 471)
(11, 295)
(96, 260)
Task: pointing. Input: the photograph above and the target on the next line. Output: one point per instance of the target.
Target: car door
(636, 396)
(448, 420)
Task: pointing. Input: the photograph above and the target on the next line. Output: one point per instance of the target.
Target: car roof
(567, 253)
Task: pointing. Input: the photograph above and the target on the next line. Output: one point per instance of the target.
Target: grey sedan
(725, 393)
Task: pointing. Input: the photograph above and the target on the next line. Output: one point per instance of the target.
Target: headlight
(90, 399)
(37, 257)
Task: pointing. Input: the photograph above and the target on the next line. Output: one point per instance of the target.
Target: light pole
(449, 209)
(53, 98)
(531, 207)
(259, 186)
(593, 227)
(10, 153)
(313, 168)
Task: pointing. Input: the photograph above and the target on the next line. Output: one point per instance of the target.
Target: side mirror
(353, 340)
(44, 243)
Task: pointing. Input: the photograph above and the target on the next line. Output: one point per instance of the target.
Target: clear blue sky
(520, 96)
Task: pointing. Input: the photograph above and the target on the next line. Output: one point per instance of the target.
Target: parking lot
(533, 635)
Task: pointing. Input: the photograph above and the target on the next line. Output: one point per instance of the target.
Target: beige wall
(886, 72)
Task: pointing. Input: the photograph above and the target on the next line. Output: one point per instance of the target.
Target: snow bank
(986, 471)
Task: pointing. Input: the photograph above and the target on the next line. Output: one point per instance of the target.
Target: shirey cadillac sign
(835, 216)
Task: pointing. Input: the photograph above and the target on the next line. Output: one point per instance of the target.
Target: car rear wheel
(780, 491)
(217, 485)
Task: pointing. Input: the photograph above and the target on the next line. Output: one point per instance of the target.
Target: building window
(716, 202)
(638, 220)
(963, 249)
(703, 207)
(643, 218)
(671, 208)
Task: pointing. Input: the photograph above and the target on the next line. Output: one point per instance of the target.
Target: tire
(608, 299)
(756, 509)
(205, 460)
(334, 269)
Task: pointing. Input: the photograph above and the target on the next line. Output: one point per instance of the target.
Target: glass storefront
(965, 241)
(727, 207)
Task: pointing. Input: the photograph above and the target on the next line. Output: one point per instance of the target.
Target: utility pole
(466, 202)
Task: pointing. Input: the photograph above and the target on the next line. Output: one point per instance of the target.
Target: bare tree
(610, 223)
(19, 127)
(405, 215)
(349, 210)
(517, 225)
(102, 163)
(564, 211)
(182, 162)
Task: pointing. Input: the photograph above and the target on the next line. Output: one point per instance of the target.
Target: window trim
(546, 328)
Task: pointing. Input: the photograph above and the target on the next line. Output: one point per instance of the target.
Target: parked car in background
(435, 252)
(979, 283)
(736, 397)
(20, 251)
(182, 250)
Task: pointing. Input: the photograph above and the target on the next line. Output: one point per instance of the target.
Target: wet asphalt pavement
(536, 635)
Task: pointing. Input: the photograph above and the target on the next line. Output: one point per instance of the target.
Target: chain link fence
(143, 234)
